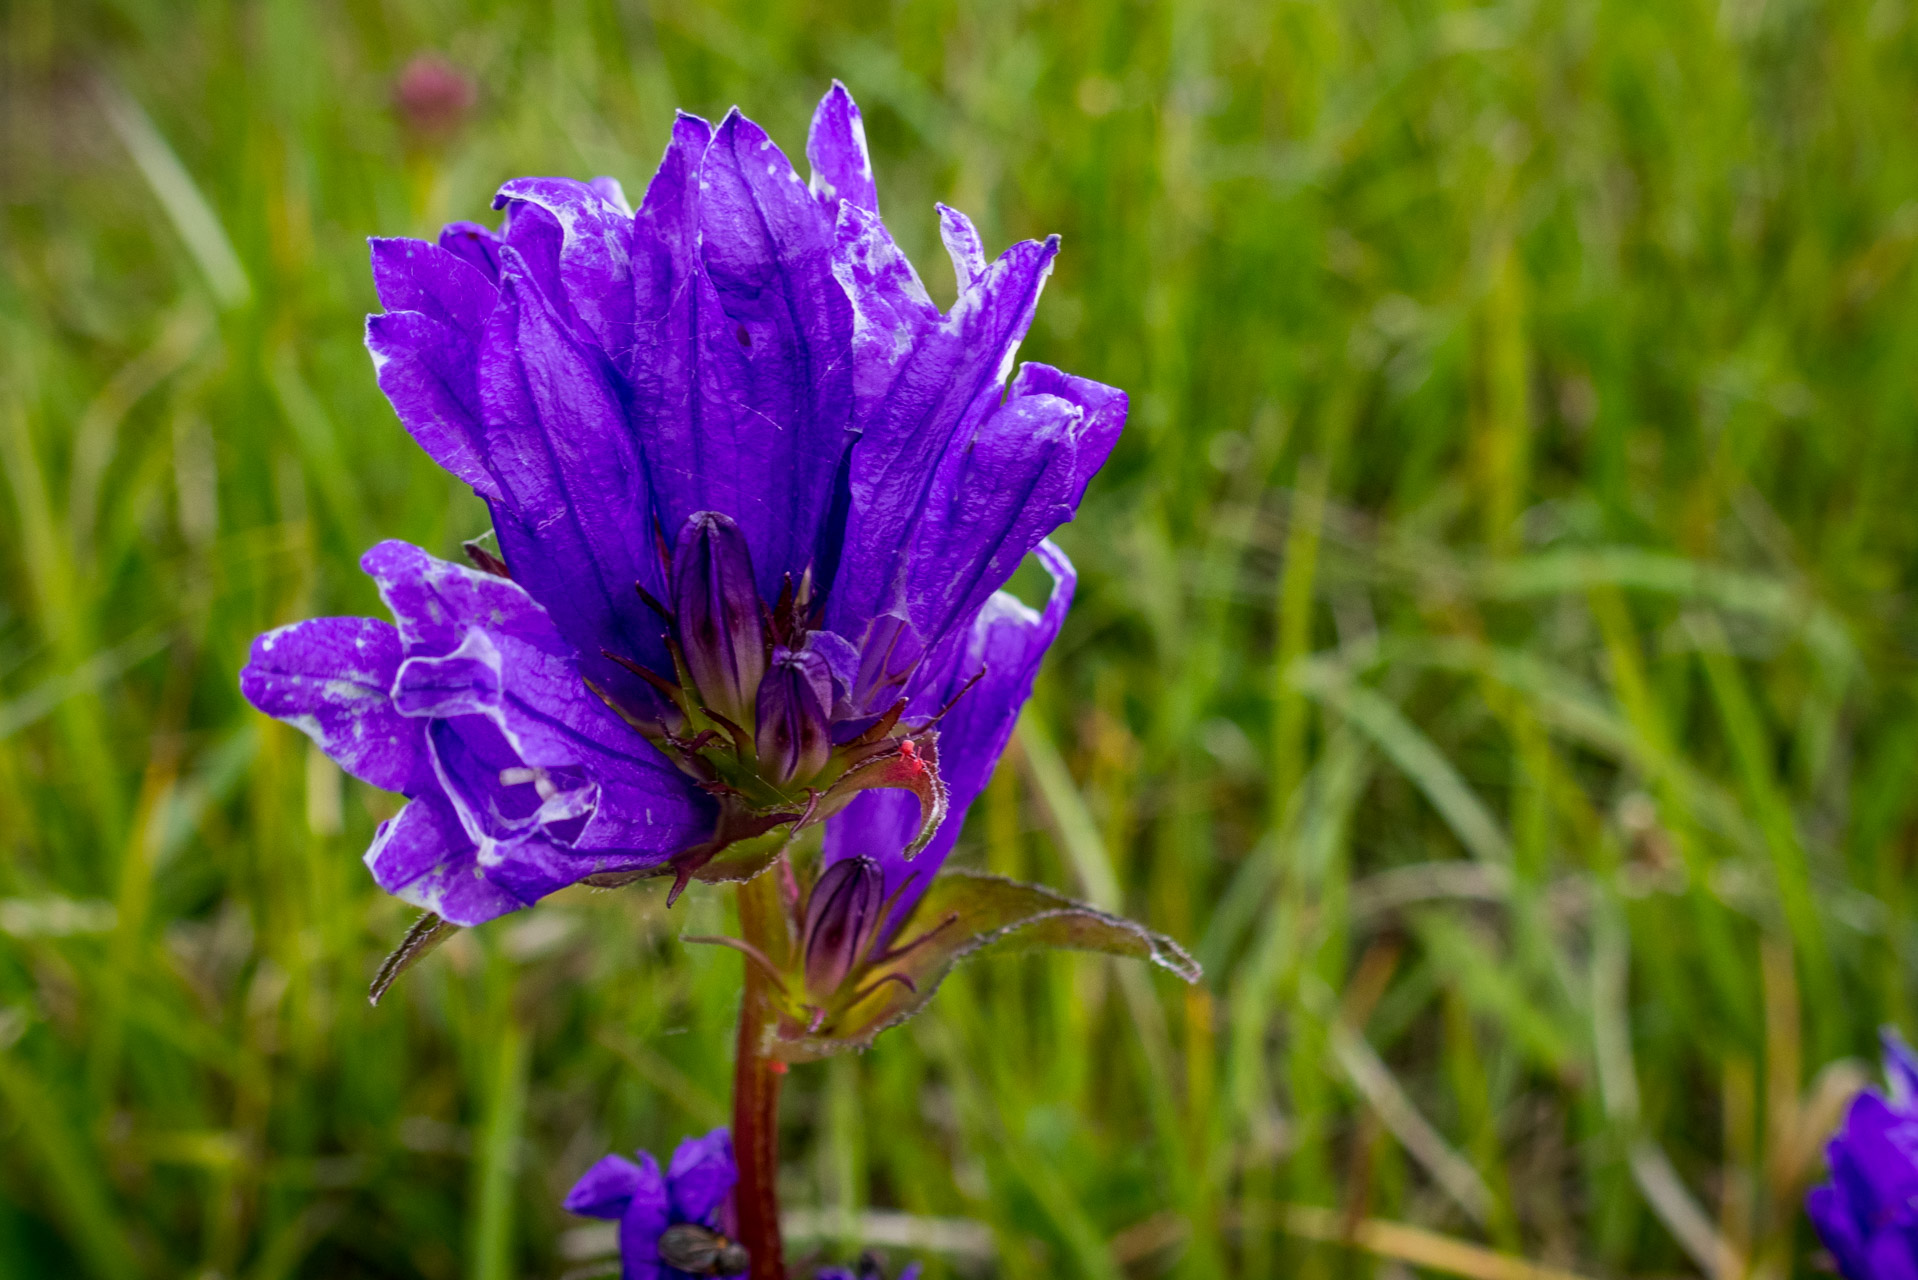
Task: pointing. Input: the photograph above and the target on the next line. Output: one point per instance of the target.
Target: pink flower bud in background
(433, 97)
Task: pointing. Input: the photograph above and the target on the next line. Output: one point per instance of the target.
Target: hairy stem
(756, 1080)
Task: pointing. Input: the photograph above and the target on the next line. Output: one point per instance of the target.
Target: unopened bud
(794, 734)
(842, 916)
(717, 608)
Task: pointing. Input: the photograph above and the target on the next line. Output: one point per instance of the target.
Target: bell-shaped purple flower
(718, 614)
(748, 371)
(1867, 1215)
(672, 1227)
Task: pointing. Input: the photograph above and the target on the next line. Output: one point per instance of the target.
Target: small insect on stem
(695, 1249)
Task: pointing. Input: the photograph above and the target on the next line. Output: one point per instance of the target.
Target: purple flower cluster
(1867, 1215)
(683, 1216)
(755, 497)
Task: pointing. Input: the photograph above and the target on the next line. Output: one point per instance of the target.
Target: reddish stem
(756, 1080)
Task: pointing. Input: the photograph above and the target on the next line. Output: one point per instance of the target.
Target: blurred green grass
(1494, 654)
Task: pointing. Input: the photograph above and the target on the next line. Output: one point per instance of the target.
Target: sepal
(427, 933)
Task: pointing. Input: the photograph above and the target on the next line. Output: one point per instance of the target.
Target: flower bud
(794, 734)
(717, 608)
(841, 918)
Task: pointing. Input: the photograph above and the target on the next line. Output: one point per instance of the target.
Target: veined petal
(1018, 476)
(593, 277)
(767, 249)
(423, 855)
(963, 246)
(436, 602)
(521, 744)
(609, 190)
(329, 678)
(699, 433)
(413, 275)
(951, 380)
(891, 309)
(475, 244)
(572, 519)
(836, 150)
(425, 351)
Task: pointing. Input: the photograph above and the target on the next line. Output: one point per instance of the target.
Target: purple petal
(423, 856)
(891, 310)
(544, 777)
(437, 602)
(950, 381)
(413, 275)
(1837, 1229)
(426, 351)
(572, 519)
(330, 678)
(1017, 477)
(701, 1176)
(606, 1189)
(643, 1219)
(690, 365)
(473, 243)
(963, 246)
(836, 150)
(592, 278)
(767, 249)
(842, 662)
(609, 190)
(1007, 641)
(1891, 1253)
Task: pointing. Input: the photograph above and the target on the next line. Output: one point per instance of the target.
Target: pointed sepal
(427, 932)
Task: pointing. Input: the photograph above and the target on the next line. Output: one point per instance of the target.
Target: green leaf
(963, 913)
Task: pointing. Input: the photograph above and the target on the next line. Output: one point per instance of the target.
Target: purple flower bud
(794, 736)
(717, 606)
(841, 918)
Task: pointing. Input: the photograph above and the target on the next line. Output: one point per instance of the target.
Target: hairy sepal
(962, 913)
(427, 933)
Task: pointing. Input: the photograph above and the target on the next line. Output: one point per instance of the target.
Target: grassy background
(1494, 654)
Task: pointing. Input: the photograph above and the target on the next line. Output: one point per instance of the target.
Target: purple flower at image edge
(869, 1268)
(756, 497)
(1867, 1215)
(683, 1215)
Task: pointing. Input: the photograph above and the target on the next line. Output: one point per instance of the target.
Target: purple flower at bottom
(1867, 1215)
(683, 1216)
(868, 1268)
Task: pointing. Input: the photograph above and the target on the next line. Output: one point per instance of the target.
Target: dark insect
(693, 1248)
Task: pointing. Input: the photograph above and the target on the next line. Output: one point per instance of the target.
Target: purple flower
(1867, 1215)
(683, 1217)
(870, 1267)
(755, 497)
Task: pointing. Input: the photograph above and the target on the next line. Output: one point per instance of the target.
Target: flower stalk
(756, 1081)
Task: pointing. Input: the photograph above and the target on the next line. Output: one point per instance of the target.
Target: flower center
(758, 707)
